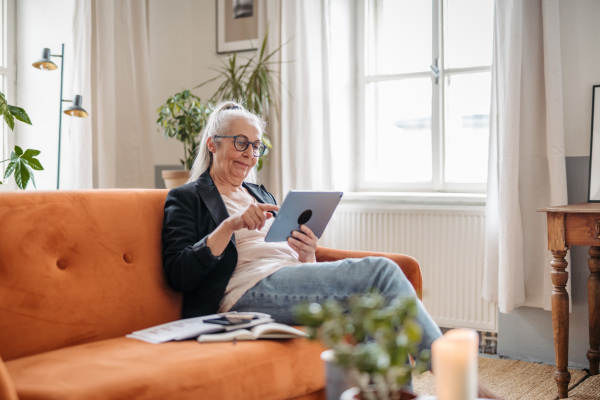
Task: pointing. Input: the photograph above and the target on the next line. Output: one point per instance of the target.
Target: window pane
(467, 123)
(400, 37)
(4, 132)
(398, 126)
(3, 34)
(468, 33)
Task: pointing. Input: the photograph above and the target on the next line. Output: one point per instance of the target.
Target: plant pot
(355, 394)
(174, 178)
(337, 379)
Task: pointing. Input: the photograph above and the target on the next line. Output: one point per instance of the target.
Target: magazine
(190, 328)
(270, 330)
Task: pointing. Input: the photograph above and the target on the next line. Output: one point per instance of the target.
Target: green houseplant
(183, 117)
(250, 81)
(371, 341)
(21, 163)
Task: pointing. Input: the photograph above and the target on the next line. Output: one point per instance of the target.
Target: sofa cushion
(124, 368)
(80, 266)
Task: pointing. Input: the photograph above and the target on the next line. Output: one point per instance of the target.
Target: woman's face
(229, 163)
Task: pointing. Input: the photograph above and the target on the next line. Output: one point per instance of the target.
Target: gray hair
(218, 124)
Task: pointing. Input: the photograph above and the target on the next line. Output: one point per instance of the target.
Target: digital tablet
(313, 209)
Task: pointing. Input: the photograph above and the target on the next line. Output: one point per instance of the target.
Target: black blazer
(192, 212)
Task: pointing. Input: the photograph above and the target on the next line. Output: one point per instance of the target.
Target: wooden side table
(573, 225)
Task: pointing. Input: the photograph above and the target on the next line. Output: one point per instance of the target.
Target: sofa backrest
(80, 266)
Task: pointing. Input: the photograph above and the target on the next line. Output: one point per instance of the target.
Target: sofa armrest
(409, 265)
(7, 386)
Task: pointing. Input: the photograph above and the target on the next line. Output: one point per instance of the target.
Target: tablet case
(313, 209)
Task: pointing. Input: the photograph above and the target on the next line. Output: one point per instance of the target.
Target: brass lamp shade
(45, 63)
(76, 110)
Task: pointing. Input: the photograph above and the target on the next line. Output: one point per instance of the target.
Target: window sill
(415, 198)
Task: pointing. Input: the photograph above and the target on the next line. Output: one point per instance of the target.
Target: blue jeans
(278, 293)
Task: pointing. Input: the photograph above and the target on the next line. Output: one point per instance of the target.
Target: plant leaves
(22, 163)
(9, 169)
(10, 121)
(19, 114)
(22, 174)
(17, 152)
(29, 158)
(8, 117)
(9, 113)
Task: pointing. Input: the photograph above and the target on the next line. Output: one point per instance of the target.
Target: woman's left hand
(304, 242)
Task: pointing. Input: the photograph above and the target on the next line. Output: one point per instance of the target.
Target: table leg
(593, 353)
(560, 320)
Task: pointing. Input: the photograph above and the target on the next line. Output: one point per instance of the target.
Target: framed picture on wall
(237, 25)
(594, 182)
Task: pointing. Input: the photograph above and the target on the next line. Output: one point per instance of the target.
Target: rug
(588, 389)
(520, 380)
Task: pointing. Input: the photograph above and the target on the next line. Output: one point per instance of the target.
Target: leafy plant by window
(21, 163)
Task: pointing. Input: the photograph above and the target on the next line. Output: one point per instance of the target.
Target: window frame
(7, 74)
(438, 183)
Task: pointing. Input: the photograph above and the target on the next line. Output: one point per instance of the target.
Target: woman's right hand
(253, 217)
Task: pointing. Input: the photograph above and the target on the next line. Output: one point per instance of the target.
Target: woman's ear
(211, 144)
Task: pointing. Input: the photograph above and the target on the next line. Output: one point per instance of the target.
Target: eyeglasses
(241, 143)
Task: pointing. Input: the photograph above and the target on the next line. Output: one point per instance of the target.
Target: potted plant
(21, 163)
(250, 82)
(183, 117)
(370, 340)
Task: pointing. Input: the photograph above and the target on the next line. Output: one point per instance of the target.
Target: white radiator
(448, 242)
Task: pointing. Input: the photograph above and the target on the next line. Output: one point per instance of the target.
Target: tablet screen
(313, 209)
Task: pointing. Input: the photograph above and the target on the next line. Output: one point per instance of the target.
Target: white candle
(454, 365)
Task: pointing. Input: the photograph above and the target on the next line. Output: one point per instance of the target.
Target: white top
(257, 259)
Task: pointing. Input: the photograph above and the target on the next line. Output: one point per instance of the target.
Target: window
(6, 75)
(424, 90)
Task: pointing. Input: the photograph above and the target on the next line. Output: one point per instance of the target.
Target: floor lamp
(46, 64)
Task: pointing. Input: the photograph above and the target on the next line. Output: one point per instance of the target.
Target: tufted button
(128, 258)
(61, 264)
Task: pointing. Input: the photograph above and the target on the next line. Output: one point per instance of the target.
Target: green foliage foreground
(371, 339)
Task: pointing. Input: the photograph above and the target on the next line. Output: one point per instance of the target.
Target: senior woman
(213, 238)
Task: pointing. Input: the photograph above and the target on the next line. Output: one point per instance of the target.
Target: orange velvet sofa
(81, 269)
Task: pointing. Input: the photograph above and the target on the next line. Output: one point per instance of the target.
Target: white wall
(580, 50)
(182, 53)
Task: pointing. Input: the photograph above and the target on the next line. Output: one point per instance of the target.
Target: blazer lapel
(259, 193)
(210, 195)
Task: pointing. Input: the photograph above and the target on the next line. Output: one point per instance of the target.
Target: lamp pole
(62, 71)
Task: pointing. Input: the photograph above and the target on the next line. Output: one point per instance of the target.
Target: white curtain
(316, 83)
(111, 40)
(527, 157)
(305, 116)
(270, 176)
(76, 162)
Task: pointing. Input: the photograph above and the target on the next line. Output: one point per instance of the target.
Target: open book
(190, 328)
(269, 330)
